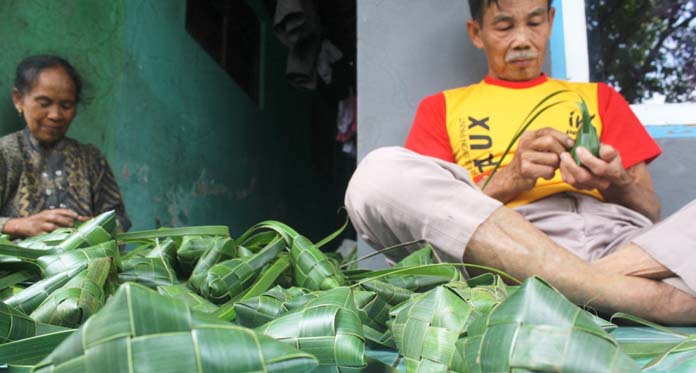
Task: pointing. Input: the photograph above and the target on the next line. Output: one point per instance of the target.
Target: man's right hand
(537, 155)
(44, 222)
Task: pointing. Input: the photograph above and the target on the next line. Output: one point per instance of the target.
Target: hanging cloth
(297, 25)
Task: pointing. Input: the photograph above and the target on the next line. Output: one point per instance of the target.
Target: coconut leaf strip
(182, 293)
(363, 277)
(329, 328)
(15, 278)
(28, 299)
(384, 250)
(639, 320)
(228, 279)
(538, 329)
(32, 350)
(674, 361)
(9, 249)
(267, 278)
(312, 268)
(15, 325)
(79, 299)
(520, 132)
(283, 229)
(333, 235)
(210, 230)
(142, 331)
(689, 342)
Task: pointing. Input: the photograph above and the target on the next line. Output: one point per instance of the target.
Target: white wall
(408, 49)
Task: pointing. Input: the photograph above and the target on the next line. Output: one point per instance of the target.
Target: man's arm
(638, 195)
(630, 187)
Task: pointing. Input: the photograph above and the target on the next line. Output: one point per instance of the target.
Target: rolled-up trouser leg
(672, 242)
(396, 196)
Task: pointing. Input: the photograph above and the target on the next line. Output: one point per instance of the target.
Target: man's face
(513, 35)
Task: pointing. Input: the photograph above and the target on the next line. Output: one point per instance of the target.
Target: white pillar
(575, 32)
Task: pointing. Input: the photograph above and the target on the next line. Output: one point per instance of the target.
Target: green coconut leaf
(426, 328)
(485, 295)
(679, 358)
(79, 299)
(150, 272)
(229, 278)
(258, 310)
(538, 329)
(440, 269)
(424, 281)
(211, 230)
(333, 235)
(328, 327)
(28, 299)
(10, 249)
(184, 294)
(414, 278)
(257, 241)
(668, 349)
(9, 280)
(141, 250)
(374, 314)
(262, 283)
(223, 248)
(268, 277)
(442, 323)
(91, 233)
(191, 250)
(31, 350)
(420, 256)
(139, 330)
(288, 234)
(157, 268)
(313, 270)
(57, 263)
(391, 294)
(587, 135)
(46, 241)
(15, 325)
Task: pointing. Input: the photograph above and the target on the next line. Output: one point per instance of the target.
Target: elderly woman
(48, 180)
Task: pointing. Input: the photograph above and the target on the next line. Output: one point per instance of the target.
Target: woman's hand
(44, 222)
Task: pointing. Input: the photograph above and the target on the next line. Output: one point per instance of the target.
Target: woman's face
(49, 106)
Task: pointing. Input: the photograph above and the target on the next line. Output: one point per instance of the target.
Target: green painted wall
(187, 145)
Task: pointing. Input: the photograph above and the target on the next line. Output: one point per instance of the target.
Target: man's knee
(379, 171)
(372, 193)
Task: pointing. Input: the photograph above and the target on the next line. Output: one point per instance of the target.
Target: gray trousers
(396, 195)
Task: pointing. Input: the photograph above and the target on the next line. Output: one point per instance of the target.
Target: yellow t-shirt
(480, 118)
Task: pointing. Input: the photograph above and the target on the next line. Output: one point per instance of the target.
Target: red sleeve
(428, 134)
(623, 130)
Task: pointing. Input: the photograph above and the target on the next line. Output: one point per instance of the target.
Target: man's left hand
(597, 172)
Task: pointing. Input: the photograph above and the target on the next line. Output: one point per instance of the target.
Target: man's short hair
(478, 7)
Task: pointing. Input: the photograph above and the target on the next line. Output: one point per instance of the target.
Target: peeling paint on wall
(181, 200)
